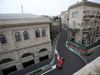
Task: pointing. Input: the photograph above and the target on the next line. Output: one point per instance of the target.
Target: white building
(65, 18)
(85, 16)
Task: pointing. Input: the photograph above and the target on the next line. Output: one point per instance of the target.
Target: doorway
(9, 70)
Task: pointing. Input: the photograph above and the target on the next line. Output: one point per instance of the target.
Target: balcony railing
(89, 16)
(96, 17)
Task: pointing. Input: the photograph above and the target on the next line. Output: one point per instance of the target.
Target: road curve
(72, 61)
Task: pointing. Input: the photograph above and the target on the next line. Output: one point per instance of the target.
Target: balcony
(92, 17)
(89, 16)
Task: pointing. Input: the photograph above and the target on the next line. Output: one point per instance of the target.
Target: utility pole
(22, 8)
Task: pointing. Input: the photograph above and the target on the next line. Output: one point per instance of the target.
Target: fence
(32, 67)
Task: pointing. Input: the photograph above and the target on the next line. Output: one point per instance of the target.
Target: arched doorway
(28, 62)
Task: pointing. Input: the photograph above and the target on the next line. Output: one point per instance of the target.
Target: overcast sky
(37, 7)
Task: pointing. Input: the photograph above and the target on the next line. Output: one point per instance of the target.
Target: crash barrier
(93, 45)
(47, 66)
(77, 48)
(32, 68)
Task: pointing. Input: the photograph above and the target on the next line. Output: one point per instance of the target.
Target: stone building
(85, 16)
(24, 40)
(65, 18)
(56, 25)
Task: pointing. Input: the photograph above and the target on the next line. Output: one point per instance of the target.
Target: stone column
(19, 66)
(11, 39)
(18, 60)
(36, 59)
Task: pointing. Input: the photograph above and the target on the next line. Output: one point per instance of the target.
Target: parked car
(60, 62)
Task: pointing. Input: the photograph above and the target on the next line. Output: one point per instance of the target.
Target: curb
(94, 48)
(76, 54)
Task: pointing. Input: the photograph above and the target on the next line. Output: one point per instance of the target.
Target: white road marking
(53, 67)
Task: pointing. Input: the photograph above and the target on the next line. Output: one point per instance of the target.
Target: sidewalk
(93, 46)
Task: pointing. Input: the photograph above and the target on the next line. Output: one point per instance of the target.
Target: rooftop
(85, 3)
(18, 16)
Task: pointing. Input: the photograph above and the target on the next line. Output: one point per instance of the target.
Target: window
(26, 35)
(72, 15)
(43, 50)
(74, 25)
(43, 32)
(26, 55)
(3, 39)
(76, 14)
(18, 36)
(93, 12)
(6, 60)
(37, 33)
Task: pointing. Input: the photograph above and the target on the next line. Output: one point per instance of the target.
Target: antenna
(22, 8)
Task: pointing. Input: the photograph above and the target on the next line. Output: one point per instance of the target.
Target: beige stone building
(24, 40)
(65, 18)
(85, 16)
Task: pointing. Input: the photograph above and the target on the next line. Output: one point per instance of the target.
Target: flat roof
(18, 16)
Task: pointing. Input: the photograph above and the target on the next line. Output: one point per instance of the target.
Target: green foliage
(52, 36)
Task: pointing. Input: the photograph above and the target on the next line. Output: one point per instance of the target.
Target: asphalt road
(96, 53)
(72, 61)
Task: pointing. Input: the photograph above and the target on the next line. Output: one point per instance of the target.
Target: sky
(37, 7)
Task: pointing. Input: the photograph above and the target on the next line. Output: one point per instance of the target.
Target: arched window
(26, 55)
(18, 36)
(26, 35)
(3, 39)
(43, 50)
(6, 60)
(37, 33)
(43, 32)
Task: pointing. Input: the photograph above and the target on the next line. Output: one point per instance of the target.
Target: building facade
(84, 16)
(65, 18)
(24, 40)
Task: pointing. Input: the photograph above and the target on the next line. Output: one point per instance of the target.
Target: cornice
(24, 24)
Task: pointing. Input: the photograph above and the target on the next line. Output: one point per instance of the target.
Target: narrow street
(72, 61)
